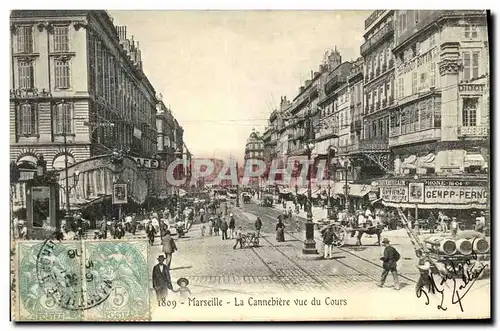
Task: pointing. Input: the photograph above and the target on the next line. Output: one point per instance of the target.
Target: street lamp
(309, 244)
(346, 186)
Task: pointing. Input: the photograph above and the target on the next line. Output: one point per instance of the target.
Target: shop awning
(475, 160)
(357, 190)
(409, 162)
(30, 159)
(436, 205)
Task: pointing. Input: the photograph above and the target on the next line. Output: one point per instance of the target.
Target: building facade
(414, 106)
(78, 95)
(442, 74)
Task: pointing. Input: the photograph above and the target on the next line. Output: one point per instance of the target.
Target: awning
(426, 161)
(302, 191)
(357, 190)
(475, 160)
(409, 162)
(59, 162)
(31, 159)
(436, 205)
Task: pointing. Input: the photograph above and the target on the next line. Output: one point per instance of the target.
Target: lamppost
(237, 187)
(309, 244)
(178, 154)
(346, 186)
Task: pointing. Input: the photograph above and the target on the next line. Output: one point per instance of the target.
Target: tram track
(299, 273)
(372, 265)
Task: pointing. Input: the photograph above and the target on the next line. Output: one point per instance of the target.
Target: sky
(223, 72)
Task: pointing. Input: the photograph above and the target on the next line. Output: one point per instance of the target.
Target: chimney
(301, 89)
(307, 82)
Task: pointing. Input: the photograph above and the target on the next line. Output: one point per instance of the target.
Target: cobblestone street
(213, 267)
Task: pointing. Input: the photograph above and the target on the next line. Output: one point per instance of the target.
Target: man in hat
(169, 247)
(161, 279)
(232, 225)
(390, 259)
(223, 228)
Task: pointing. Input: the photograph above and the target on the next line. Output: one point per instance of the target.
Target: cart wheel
(256, 242)
(340, 235)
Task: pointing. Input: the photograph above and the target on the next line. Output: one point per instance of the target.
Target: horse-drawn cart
(342, 231)
(249, 239)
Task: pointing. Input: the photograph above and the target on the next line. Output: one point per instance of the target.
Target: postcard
(249, 165)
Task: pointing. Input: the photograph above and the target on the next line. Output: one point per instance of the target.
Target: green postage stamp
(82, 281)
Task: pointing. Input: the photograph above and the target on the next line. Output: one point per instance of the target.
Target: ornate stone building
(441, 121)
(78, 93)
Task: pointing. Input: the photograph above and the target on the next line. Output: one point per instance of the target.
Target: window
(470, 31)
(423, 81)
(401, 86)
(402, 19)
(27, 120)
(471, 65)
(432, 40)
(26, 74)
(433, 75)
(62, 119)
(61, 39)
(414, 83)
(469, 112)
(62, 74)
(25, 39)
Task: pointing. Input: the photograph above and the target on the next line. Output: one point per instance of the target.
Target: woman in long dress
(280, 230)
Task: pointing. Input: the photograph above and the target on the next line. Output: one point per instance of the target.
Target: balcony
(377, 72)
(372, 75)
(430, 17)
(299, 133)
(391, 63)
(473, 131)
(355, 71)
(384, 103)
(391, 100)
(418, 136)
(373, 17)
(334, 83)
(384, 67)
(369, 145)
(372, 108)
(381, 35)
(377, 105)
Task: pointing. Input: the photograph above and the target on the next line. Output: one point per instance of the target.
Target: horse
(371, 230)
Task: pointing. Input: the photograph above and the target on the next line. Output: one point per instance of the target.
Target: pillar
(449, 160)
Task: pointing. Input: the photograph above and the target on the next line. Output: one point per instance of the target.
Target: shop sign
(147, 163)
(456, 194)
(394, 193)
(416, 62)
(26, 175)
(471, 88)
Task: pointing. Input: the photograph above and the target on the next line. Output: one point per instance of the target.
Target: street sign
(147, 163)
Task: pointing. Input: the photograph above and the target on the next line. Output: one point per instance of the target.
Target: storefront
(440, 194)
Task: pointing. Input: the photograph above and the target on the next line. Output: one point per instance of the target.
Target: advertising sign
(394, 193)
(120, 194)
(416, 193)
(456, 194)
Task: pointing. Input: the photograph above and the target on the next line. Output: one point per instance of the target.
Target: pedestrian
(211, 226)
(431, 221)
(454, 226)
(203, 228)
(169, 247)
(104, 228)
(161, 279)
(258, 226)
(442, 222)
(223, 229)
(280, 230)
(151, 232)
(217, 225)
(239, 235)
(389, 263)
(232, 226)
(183, 290)
(480, 223)
(425, 269)
(328, 242)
